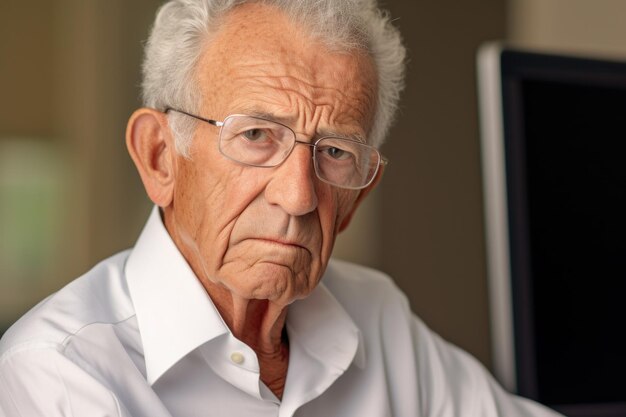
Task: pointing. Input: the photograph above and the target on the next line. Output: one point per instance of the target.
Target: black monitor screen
(565, 153)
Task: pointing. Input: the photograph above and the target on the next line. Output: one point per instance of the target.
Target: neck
(261, 325)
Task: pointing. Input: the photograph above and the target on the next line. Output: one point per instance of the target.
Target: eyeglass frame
(382, 160)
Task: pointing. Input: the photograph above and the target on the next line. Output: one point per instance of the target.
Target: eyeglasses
(263, 143)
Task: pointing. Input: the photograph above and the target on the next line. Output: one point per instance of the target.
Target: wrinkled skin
(260, 238)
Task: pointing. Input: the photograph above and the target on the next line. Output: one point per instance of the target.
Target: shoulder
(76, 352)
(418, 364)
(99, 296)
(351, 283)
(411, 354)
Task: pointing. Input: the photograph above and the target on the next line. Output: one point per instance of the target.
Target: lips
(279, 241)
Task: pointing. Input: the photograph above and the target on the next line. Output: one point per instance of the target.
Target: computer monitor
(554, 168)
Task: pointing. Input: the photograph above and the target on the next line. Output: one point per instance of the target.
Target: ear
(362, 194)
(151, 148)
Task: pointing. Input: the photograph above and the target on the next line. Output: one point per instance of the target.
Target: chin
(274, 282)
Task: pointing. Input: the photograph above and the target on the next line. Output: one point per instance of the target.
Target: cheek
(338, 207)
(230, 197)
(208, 204)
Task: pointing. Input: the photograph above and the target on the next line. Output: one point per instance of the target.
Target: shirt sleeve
(40, 381)
(453, 383)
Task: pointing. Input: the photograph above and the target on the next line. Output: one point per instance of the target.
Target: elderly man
(258, 142)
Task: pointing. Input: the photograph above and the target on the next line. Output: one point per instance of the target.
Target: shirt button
(237, 358)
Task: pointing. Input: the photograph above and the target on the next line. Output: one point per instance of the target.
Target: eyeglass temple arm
(210, 121)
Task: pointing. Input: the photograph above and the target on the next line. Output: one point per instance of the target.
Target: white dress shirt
(139, 336)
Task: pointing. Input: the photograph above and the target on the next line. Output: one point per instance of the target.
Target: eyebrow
(290, 120)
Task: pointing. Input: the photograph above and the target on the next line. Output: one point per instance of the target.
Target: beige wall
(579, 26)
(432, 234)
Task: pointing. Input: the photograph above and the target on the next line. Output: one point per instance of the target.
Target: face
(267, 233)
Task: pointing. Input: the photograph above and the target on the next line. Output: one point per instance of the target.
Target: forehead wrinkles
(334, 91)
(290, 96)
(261, 56)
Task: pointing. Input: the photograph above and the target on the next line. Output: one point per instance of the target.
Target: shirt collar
(174, 313)
(326, 330)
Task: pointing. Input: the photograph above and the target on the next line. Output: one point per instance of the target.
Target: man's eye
(337, 153)
(255, 135)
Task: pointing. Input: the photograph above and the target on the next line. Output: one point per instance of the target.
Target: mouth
(279, 242)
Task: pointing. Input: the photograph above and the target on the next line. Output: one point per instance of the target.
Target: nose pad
(292, 185)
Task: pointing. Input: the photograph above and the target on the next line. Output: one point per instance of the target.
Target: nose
(292, 186)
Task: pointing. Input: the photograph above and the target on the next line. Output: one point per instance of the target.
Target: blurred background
(69, 194)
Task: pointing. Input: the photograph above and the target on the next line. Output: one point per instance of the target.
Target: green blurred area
(33, 190)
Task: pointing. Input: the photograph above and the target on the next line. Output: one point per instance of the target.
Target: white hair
(182, 29)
